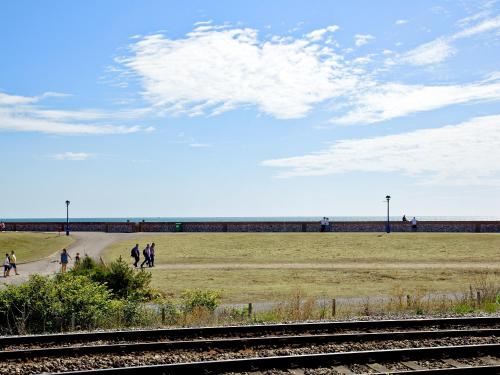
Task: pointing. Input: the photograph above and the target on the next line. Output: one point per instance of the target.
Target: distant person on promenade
(6, 265)
(414, 224)
(323, 224)
(64, 260)
(13, 261)
(134, 253)
(2, 226)
(152, 255)
(404, 219)
(327, 224)
(147, 256)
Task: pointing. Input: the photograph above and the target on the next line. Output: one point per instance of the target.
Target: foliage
(50, 304)
(122, 281)
(198, 298)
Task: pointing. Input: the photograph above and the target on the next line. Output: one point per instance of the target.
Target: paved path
(332, 266)
(91, 243)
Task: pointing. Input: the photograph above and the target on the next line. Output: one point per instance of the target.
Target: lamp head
(67, 203)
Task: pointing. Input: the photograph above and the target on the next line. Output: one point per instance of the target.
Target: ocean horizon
(249, 218)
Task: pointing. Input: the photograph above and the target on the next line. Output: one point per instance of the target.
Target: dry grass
(315, 247)
(243, 286)
(32, 246)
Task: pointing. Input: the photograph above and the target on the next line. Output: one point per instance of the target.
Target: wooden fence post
(250, 309)
(334, 307)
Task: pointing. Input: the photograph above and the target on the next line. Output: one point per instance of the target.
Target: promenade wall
(306, 226)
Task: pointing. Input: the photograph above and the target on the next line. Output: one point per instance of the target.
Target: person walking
(404, 219)
(147, 256)
(6, 265)
(134, 253)
(152, 255)
(13, 261)
(78, 260)
(323, 224)
(327, 224)
(64, 260)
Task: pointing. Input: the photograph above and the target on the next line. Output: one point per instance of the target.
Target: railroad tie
(490, 360)
(453, 363)
(343, 370)
(378, 367)
(412, 365)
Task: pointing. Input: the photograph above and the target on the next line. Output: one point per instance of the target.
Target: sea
(248, 218)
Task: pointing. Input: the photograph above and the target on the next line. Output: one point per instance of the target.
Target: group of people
(148, 252)
(325, 224)
(413, 222)
(9, 264)
(65, 260)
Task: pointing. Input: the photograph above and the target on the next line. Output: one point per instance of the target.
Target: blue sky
(155, 108)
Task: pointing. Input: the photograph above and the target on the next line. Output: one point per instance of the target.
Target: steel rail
(240, 343)
(466, 370)
(302, 361)
(296, 328)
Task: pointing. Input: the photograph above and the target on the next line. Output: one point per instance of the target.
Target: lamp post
(388, 225)
(67, 218)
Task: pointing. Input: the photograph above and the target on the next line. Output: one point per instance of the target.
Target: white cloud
(401, 22)
(465, 154)
(71, 156)
(316, 35)
(441, 48)
(362, 39)
(429, 53)
(214, 70)
(19, 113)
(391, 100)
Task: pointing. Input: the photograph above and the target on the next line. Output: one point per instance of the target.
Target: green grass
(243, 286)
(32, 246)
(385, 253)
(315, 247)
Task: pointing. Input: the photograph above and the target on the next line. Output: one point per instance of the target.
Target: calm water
(250, 218)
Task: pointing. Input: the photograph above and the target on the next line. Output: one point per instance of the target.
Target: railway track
(470, 345)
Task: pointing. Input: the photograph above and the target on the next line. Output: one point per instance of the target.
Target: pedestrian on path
(414, 224)
(6, 265)
(13, 261)
(152, 255)
(64, 260)
(147, 256)
(78, 260)
(134, 253)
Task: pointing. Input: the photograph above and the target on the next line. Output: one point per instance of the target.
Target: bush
(52, 304)
(197, 298)
(121, 280)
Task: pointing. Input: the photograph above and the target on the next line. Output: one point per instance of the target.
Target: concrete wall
(351, 226)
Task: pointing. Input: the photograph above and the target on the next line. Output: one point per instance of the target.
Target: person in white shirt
(6, 265)
(327, 225)
(323, 224)
(414, 224)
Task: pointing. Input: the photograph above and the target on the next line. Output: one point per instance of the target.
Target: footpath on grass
(90, 243)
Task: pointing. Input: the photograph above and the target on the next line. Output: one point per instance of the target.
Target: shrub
(121, 280)
(49, 304)
(197, 298)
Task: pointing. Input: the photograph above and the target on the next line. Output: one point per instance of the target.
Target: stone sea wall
(306, 226)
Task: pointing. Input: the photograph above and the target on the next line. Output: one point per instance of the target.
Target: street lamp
(67, 218)
(388, 225)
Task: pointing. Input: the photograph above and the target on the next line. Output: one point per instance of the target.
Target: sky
(232, 108)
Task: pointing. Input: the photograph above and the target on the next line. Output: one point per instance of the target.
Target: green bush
(52, 304)
(197, 298)
(122, 281)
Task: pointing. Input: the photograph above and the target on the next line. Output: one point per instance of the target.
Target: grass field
(375, 264)
(32, 246)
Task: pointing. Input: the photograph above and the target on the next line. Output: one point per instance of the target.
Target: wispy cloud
(362, 39)
(25, 114)
(441, 48)
(200, 145)
(464, 154)
(401, 22)
(216, 69)
(390, 100)
(71, 156)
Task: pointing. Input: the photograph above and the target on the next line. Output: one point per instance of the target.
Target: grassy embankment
(270, 266)
(32, 246)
